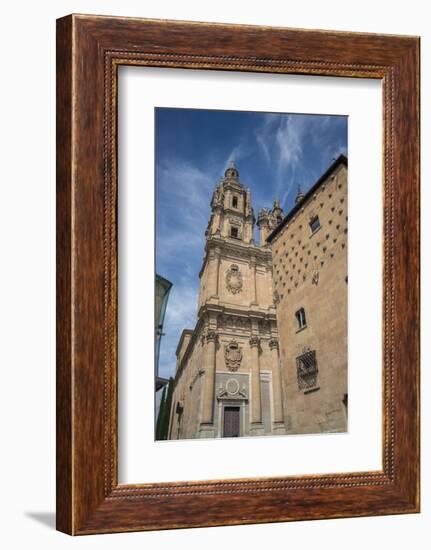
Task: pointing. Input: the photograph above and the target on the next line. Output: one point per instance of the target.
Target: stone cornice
(228, 211)
(234, 185)
(212, 310)
(237, 249)
(183, 334)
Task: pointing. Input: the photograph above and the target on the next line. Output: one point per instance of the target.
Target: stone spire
(277, 211)
(268, 220)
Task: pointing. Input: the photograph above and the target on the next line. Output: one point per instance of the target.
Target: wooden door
(231, 422)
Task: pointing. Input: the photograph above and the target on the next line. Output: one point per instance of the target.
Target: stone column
(254, 287)
(277, 390)
(263, 232)
(217, 254)
(208, 386)
(256, 426)
(217, 220)
(248, 230)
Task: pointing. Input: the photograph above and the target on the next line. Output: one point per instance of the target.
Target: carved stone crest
(232, 355)
(231, 390)
(234, 279)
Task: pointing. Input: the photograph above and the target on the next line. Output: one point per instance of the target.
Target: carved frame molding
(89, 51)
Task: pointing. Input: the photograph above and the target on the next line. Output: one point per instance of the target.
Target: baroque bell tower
(228, 379)
(232, 214)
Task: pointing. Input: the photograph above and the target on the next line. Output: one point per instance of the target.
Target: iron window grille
(306, 368)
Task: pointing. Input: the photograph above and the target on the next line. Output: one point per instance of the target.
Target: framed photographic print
(237, 274)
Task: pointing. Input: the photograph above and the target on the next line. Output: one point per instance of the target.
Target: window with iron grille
(306, 368)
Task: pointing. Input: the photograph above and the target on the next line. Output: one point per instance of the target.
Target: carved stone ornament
(315, 277)
(211, 336)
(254, 341)
(234, 279)
(232, 386)
(231, 391)
(264, 327)
(233, 356)
(273, 343)
(218, 197)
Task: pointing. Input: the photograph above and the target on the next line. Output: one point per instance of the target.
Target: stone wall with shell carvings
(310, 272)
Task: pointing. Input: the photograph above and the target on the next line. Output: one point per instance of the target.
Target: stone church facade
(236, 370)
(228, 378)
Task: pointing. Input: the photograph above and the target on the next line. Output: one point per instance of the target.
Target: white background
(141, 458)
(27, 219)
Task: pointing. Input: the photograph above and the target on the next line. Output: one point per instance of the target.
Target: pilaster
(277, 391)
(253, 262)
(207, 428)
(256, 426)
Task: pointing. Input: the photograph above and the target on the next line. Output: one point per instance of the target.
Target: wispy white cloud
(240, 152)
(183, 210)
(264, 147)
(181, 182)
(280, 138)
(283, 141)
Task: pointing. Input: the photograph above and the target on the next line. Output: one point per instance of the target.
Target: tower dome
(231, 172)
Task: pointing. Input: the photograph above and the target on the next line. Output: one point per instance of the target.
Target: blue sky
(274, 153)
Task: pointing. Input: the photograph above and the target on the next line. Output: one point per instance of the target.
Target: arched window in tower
(234, 202)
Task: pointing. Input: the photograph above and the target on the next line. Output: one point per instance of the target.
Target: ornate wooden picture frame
(89, 51)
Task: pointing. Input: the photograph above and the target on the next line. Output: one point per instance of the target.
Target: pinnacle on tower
(300, 195)
(277, 211)
(268, 221)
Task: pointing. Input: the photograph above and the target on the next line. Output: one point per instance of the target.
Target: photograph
(251, 295)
